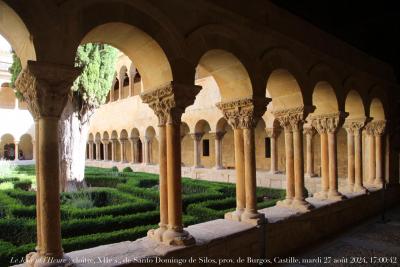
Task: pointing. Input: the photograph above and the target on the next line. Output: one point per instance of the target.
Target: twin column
(243, 115)
(168, 103)
(375, 130)
(292, 121)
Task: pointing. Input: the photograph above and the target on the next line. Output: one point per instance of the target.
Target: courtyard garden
(116, 206)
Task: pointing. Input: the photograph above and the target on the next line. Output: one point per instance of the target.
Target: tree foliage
(98, 68)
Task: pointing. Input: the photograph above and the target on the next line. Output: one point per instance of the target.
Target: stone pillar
(196, 149)
(371, 154)
(309, 132)
(218, 149)
(98, 152)
(168, 103)
(123, 150)
(134, 149)
(149, 150)
(379, 129)
(105, 149)
(350, 159)
(292, 121)
(45, 87)
(355, 172)
(121, 85)
(114, 149)
(91, 143)
(33, 150)
(326, 125)
(273, 134)
(16, 150)
(243, 115)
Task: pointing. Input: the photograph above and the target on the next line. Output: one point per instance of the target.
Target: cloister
(265, 75)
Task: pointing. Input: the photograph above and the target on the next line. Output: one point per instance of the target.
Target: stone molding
(327, 123)
(45, 87)
(291, 119)
(170, 101)
(243, 113)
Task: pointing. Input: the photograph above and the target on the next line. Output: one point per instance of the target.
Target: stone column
(45, 87)
(196, 149)
(134, 149)
(243, 115)
(218, 149)
(16, 154)
(309, 132)
(273, 133)
(350, 158)
(105, 149)
(371, 154)
(169, 103)
(123, 150)
(33, 150)
(91, 143)
(98, 152)
(379, 129)
(326, 125)
(114, 149)
(149, 150)
(121, 85)
(292, 122)
(358, 172)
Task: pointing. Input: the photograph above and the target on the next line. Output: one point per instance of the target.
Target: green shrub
(23, 184)
(127, 169)
(104, 181)
(114, 169)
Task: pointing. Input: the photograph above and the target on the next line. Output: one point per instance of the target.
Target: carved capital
(309, 131)
(196, 136)
(291, 119)
(134, 140)
(217, 135)
(327, 123)
(105, 141)
(170, 101)
(354, 126)
(376, 127)
(45, 87)
(272, 132)
(243, 113)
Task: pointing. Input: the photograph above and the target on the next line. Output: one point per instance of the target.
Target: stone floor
(374, 243)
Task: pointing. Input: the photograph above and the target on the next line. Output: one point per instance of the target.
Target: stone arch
(377, 110)
(202, 126)
(229, 73)
(16, 33)
(134, 133)
(91, 138)
(222, 125)
(7, 146)
(97, 137)
(354, 105)
(284, 79)
(357, 84)
(150, 132)
(124, 76)
(123, 134)
(106, 136)
(26, 147)
(147, 54)
(324, 98)
(114, 135)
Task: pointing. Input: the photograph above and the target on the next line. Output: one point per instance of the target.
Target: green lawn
(117, 206)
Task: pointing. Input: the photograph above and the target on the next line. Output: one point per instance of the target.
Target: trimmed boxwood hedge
(125, 207)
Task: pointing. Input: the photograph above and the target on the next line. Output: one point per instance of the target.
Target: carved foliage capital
(326, 123)
(309, 131)
(376, 127)
(196, 136)
(45, 87)
(354, 126)
(291, 119)
(170, 101)
(243, 113)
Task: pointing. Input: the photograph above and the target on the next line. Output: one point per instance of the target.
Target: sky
(4, 45)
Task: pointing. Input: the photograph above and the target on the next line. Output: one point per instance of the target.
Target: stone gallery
(248, 96)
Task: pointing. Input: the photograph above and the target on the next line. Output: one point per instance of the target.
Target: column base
(234, 215)
(173, 237)
(253, 217)
(286, 203)
(218, 168)
(335, 195)
(275, 172)
(33, 259)
(378, 184)
(157, 234)
(322, 195)
(360, 189)
(198, 167)
(350, 188)
(310, 175)
(302, 205)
